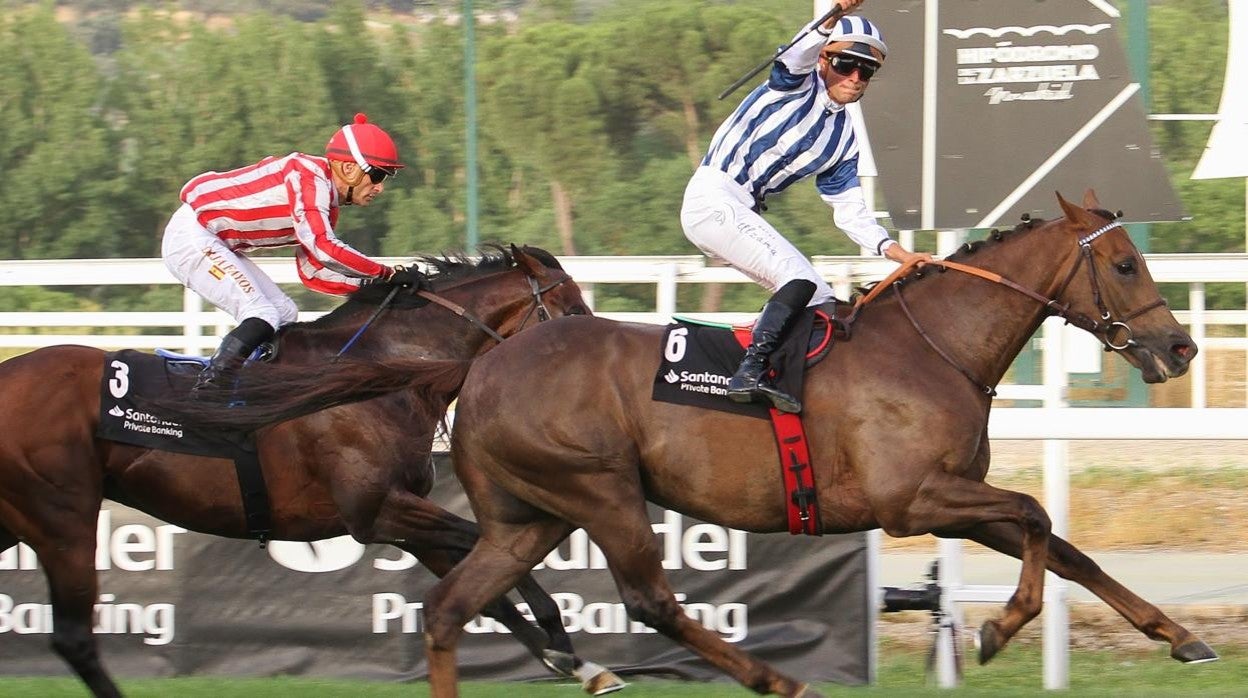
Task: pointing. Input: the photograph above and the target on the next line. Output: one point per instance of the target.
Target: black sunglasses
(846, 65)
(377, 174)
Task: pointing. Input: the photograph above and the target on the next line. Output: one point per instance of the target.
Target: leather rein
(536, 291)
(1102, 329)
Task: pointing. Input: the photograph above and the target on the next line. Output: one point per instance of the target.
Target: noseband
(1101, 329)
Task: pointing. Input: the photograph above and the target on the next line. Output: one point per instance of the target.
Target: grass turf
(1016, 672)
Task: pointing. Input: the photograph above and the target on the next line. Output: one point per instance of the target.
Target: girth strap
(254, 491)
(801, 501)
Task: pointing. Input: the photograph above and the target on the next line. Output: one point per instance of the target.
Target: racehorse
(362, 469)
(556, 430)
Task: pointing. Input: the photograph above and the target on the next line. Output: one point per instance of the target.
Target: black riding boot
(233, 352)
(749, 383)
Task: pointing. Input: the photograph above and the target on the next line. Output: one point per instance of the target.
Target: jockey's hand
(902, 256)
(847, 6)
(407, 278)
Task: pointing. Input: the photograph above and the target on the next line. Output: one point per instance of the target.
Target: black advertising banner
(986, 107)
(175, 603)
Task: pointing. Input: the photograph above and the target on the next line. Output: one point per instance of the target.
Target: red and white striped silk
(279, 202)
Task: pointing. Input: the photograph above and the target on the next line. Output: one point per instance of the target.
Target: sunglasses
(845, 65)
(377, 175)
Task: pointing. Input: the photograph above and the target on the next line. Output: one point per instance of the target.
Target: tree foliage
(592, 116)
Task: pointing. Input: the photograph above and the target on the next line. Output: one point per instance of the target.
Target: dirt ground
(1093, 626)
(1125, 496)
(1136, 495)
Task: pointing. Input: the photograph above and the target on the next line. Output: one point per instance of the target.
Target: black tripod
(927, 598)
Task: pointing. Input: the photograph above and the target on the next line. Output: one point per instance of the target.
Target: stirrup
(780, 400)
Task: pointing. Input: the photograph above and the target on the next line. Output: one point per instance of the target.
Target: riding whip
(835, 13)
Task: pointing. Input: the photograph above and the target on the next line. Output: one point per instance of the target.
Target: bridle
(536, 291)
(1102, 329)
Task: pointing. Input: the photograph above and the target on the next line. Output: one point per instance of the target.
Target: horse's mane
(441, 271)
(995, 236)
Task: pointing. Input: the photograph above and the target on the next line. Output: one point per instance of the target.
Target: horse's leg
(947, 502)
(56, 517)
(440, 539)
(74, 587)
(636, 564)
(1070, 563)
(64, 540)
(495, 564)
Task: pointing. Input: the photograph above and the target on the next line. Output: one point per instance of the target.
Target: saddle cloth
(699, 359)
(129, 374)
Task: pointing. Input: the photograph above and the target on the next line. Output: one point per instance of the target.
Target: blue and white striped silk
(788, 129)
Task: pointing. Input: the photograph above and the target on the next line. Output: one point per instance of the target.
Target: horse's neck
(981, 324)
(429, 331)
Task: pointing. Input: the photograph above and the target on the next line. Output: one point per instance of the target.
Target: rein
(1101, 329)
(536, 291)
(461, 311)
(374, 316)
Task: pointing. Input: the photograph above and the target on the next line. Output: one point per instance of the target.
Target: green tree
(1194, 35)
(57, 154)
(546, 112)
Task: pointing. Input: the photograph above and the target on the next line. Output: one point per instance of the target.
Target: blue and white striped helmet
(863, 35)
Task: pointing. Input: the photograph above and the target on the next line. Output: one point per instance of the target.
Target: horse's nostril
(1184, 351)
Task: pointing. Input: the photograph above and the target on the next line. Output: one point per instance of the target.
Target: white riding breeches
(718, 217)
(228, 280)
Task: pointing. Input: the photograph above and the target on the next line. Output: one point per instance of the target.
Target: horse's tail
(266, 394)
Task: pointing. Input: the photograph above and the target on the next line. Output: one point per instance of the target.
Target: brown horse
(556, 430)
(356, 469)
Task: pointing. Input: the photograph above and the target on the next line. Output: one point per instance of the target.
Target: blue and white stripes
(785, 131)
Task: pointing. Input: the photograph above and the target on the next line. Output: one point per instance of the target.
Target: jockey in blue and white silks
(793, 127)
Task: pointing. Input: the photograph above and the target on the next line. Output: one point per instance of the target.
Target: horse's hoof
(559, 663)
(1194, 652)
(598, 680)
(805, 691)
(988, 641)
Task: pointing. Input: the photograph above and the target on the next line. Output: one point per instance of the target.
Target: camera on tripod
(926, 598)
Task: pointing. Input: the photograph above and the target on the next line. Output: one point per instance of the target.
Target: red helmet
(364, 144)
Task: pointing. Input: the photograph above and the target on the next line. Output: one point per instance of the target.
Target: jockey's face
(356, 186)
(846, 76)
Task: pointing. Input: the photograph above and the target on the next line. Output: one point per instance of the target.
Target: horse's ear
(1073, 213)
(528, 262)
(1089, 199)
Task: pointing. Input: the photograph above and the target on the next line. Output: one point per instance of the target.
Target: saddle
(700, 357)
(132, 380)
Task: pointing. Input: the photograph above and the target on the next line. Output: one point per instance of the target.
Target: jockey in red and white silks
(277, 202)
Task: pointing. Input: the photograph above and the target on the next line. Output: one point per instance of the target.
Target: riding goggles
(845, 65)
(378, 174)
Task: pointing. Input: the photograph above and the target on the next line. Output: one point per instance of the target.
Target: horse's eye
(1126, 268)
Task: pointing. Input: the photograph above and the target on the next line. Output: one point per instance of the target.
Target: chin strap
(336, 167)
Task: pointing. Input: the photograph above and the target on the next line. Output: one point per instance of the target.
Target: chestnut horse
(356, 469)
(556, 430)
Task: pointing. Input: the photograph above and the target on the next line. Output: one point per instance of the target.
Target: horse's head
(1111, 293)
(504, 291)
(460, 305)
(553, 291)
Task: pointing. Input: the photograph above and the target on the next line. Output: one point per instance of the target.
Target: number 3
(120, 382)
